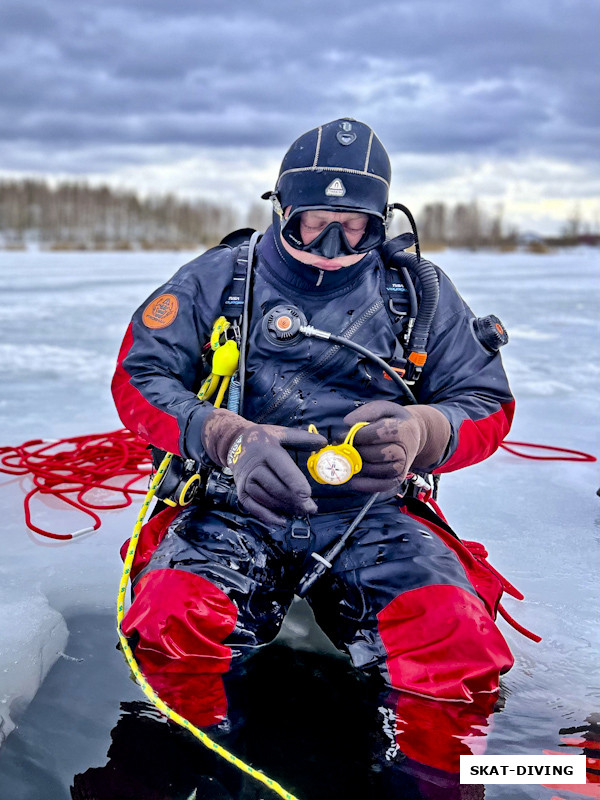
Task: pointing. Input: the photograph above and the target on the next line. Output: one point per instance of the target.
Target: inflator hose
(430, 286)
(358, 348)
(245, 322)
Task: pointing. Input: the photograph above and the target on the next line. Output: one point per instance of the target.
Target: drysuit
(404, 597)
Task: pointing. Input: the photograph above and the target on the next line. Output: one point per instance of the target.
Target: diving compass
(336, 463)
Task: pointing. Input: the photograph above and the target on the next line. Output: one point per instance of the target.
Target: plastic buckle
(300, 529)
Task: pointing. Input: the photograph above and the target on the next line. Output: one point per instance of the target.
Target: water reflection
(586, 737)
(307, 720)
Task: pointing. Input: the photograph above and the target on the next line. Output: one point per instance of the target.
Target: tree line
(77, 215)
(464, 225)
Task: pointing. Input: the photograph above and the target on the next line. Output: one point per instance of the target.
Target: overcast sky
(495, 100)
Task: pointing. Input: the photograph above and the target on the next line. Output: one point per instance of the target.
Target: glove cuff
(435, 432)
(219, 431)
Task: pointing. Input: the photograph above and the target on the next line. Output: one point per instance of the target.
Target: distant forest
(76, 216)
(79, 216)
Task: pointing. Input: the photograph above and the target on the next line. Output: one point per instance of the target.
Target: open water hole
(304, 717)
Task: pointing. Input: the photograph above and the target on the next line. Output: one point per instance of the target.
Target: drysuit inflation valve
(490, 332)
(282, 324)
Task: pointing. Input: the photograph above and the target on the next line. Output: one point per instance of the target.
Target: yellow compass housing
(336, 463)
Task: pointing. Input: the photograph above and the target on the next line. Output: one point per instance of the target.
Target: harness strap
(233, 308)
(396, 299)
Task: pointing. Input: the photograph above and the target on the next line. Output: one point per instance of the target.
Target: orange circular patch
(284, 323)
(161, 312)
(499, 328)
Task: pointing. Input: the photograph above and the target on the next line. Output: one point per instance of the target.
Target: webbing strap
(233, 307)
(396, 299)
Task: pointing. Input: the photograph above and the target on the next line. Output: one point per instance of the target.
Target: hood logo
(336, 188)
(345, 138)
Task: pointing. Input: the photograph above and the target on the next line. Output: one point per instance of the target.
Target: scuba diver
(362, 372)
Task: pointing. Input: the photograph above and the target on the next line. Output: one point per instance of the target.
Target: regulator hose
(430, 286)
(393, 254)
(413, 225)
(309, 330)
(245, 322)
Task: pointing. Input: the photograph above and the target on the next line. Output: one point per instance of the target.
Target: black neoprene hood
(341, 165)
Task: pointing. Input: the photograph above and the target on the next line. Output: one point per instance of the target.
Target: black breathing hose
(394, 255)
(413, 225)
(308, 330)
(430, 295)
(245, 318)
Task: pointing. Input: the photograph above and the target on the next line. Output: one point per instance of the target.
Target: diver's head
(333, 185)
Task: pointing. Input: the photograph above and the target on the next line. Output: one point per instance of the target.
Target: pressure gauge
(336, 463)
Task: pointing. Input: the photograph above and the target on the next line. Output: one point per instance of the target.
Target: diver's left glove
(396, 439)
(266, 478)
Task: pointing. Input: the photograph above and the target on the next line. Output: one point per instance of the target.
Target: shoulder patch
(161, 311)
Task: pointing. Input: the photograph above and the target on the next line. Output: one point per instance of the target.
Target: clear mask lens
(332, 241)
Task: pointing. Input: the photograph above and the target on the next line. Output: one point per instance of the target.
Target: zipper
(350, 331)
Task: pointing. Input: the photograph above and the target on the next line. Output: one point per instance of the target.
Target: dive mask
(332, 242)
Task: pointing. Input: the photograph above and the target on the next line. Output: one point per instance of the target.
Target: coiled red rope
(70, 469)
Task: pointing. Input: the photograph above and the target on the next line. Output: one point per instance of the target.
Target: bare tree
(75, 214)
(259, 215)
(572, 227)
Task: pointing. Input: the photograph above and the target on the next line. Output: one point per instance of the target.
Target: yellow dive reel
(336, 463)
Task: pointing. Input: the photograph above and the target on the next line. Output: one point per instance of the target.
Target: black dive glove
(396, 439)
(266, 478)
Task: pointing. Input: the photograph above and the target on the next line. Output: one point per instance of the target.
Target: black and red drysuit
(404, 597)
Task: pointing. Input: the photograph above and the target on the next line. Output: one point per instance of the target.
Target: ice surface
(61, 323)
(32, 634)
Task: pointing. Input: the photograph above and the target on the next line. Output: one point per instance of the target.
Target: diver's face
(312, 223)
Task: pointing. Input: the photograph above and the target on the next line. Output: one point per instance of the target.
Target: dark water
(305, 718)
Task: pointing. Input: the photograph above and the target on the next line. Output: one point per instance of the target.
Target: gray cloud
(431, 78)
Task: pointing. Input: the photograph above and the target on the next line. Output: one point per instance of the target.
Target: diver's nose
(332, 244)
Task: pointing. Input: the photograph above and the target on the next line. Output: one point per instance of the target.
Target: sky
(494, 101)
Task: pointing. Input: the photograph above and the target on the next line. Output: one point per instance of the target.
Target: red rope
(513, 622)
(437, 509)
(70, 469)
(574, 455)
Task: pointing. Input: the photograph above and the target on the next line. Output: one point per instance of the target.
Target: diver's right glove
(266, 478)
(396, 439)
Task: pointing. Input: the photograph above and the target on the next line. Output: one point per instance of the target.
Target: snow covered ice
(61, 322)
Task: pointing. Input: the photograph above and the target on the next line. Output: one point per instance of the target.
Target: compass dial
(333, 468)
